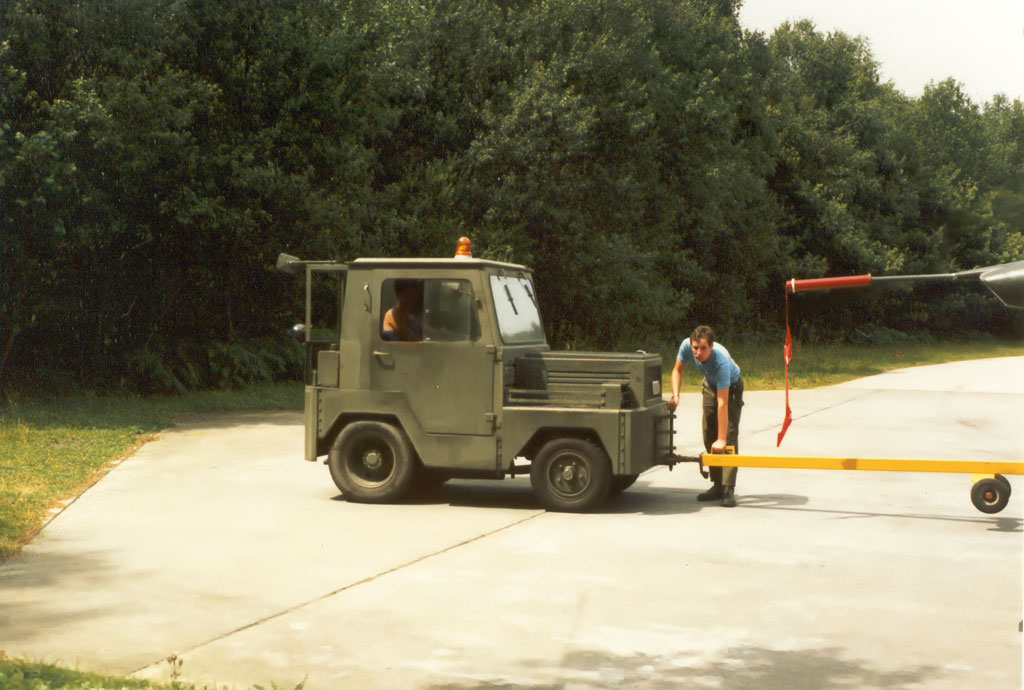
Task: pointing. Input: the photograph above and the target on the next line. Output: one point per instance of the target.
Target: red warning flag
(1006, 281)
(787, 355)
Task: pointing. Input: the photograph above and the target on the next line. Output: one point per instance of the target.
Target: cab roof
(459, 262)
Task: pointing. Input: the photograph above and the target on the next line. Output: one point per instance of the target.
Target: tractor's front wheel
(372, 462)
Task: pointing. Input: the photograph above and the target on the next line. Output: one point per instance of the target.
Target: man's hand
(672, 403)
(718, 446)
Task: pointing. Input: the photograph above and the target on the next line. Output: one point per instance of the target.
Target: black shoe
(712, 494)
(728, 497)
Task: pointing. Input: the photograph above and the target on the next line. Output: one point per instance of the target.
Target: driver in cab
(399, 322)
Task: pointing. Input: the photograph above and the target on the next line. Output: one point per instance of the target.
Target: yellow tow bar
(988, 467)
(990, 490)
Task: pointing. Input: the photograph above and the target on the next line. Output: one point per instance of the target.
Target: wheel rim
(569, 474)
(370, 462)
(989, 495)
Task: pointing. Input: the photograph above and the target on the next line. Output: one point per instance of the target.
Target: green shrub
(192, 366)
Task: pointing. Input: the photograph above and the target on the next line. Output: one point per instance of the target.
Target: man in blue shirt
(722, 404)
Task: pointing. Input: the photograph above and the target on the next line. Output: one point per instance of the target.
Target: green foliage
(655, 164)
(872, 350)
(192, 365)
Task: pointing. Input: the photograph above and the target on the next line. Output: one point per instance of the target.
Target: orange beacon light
(464, 248)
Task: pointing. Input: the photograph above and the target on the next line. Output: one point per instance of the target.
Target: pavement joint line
(99, 475)
(774, 427)
(65, 503)
(328, 595)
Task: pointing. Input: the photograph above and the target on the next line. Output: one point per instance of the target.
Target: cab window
(428, 310)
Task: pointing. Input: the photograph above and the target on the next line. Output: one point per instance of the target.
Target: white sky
(980, 43)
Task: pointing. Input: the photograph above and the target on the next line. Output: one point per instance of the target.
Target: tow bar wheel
(1006, 482)
(571, 475)
(991, 495)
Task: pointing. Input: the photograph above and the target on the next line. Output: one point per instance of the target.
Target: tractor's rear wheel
(571, 475)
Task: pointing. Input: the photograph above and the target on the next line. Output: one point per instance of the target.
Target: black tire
(372, 462)
(990, 495)
(1006, 482)
(571, 475)
(621, 482)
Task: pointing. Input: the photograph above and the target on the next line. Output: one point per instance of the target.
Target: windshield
(515, 304)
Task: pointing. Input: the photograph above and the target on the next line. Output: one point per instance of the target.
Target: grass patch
(826, 365)
(51, 450)
(25, 675)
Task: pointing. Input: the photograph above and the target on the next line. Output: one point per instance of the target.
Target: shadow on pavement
(639, 499)
(662, 501)
(496, 494)
(997, 524)
(741, 668)
(31, 575)
(233, 419)
(644, 500)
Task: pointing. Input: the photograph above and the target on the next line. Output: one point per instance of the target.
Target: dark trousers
(709, 425)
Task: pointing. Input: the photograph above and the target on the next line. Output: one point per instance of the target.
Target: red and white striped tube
(794, 285)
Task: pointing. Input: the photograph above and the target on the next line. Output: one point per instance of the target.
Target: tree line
(655, 164)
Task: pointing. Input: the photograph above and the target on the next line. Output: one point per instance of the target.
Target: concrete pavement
(217, 543)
